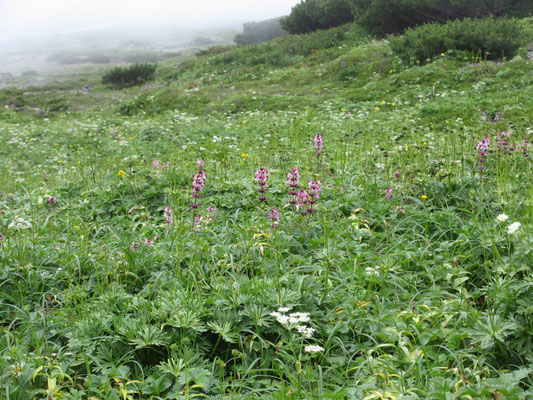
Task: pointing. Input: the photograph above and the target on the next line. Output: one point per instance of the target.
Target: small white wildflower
(275, 314)
(283, 319)
(513, 227)
(293, 320)
(307, 332)
(300, 316)
(502, 218)
(380, 165)
(19, 223)
(284, 309)
(313, 348)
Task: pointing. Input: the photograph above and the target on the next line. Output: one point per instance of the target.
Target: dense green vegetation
(259, 32)
(132, 271)
(488, 38)
(121, 77)
(311, 15)
(394, 16)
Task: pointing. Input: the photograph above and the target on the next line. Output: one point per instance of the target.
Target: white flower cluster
(294, 320)
(512, 228)
(313, 348)
(372, 271)
(502, 218)
(305, 331)
(19, 223)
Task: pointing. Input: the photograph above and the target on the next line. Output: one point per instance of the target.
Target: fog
(47, 34)
(26, 18)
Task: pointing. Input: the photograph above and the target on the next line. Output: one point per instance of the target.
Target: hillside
(307, 218)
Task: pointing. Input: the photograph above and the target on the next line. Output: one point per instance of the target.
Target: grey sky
(26, 17)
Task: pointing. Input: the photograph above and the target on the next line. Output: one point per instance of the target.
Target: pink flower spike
(261, 179)
(319, 143)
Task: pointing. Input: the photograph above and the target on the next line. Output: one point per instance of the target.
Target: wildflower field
(275, 232)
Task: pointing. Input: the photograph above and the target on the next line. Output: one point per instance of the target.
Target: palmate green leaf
(172, 366)
(156, 385)
(490, 329)
(200, 376)
(225, 330)
(187, 319)
(257, 313)
(147, 336)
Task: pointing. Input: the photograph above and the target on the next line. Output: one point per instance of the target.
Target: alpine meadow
(340, 208)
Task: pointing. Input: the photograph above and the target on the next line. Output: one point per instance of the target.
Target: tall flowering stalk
(293, 183)
(308, 198)
(525, 148)
(261, 180)
(503, 144)
(275, 218)
(168, 213)
(315, 187)
(482, 149)
(319, 143)
(198, 183)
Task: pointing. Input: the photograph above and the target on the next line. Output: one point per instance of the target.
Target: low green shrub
(57, 105)
(311, 15)
(260, 32)
(121, 77)
(394, 16)
(488, 38)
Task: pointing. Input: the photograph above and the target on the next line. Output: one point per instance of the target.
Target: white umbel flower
(513, 227)
(313, 348)
(305, 331)
(502, 218)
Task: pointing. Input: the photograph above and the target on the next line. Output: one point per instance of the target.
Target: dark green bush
(57, 105)
(394, 16)
(488, 38)
(121, 77)
(259, 32)
(311, 15)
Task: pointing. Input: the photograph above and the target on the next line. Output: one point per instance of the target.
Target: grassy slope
(448, 316)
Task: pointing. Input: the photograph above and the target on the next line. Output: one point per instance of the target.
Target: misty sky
(26, 17)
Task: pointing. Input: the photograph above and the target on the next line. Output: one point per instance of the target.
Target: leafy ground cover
(356, 229)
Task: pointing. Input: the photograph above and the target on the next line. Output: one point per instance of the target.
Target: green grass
(421, 296)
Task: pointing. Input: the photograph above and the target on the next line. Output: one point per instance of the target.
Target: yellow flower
(393, 104)
(383, 102)
(122, 174)
(243, 121)
(442, 54)
(377, 108)
(391, 71)
(447, 121)
(423, 197)
(343, 109)
(425, 143)
(244, 155)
